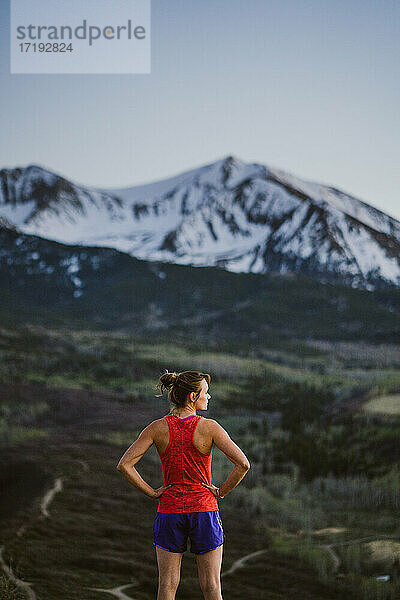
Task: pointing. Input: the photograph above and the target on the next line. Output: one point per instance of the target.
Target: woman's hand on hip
(159, 491)
(212, 489)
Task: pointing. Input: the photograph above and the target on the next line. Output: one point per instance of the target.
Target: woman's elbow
(245, 465)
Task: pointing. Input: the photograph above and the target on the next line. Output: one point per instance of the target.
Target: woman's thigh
(209, 565)
(169, 565)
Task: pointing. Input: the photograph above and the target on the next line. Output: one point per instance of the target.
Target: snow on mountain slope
(243, 217)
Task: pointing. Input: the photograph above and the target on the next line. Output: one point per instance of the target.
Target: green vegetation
(324, 471)
(125, 294)
(13, 434)
(118, 438)
(16, 418)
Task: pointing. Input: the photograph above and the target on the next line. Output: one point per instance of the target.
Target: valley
(307, 509)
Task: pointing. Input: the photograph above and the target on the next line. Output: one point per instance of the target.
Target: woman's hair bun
(168, 379)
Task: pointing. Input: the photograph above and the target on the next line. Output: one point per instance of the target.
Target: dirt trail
(48, 497)
(238, 564)
(116, 592)
(241, 562)
(25, 586)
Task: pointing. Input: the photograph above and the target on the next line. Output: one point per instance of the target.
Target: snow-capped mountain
(243, 217)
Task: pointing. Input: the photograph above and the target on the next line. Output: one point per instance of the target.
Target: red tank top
(185, 467)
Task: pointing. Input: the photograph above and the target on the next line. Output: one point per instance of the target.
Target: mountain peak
(244, 217)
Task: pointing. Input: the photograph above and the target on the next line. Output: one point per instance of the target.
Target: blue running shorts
(204, 529)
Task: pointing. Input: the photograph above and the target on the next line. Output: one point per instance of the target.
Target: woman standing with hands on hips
(188, 501)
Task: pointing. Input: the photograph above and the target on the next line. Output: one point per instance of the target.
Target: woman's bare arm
(132, 455)
(222, 440)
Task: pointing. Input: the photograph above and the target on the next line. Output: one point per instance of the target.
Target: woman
(188, 505)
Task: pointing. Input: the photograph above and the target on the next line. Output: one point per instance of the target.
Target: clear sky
(308, 86)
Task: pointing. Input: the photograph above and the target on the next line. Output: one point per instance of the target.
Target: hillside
(57, 284)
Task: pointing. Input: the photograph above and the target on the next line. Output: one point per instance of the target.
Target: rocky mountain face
(242, 217)
(52, 284)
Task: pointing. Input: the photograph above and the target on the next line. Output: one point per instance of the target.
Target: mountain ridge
(243, 217)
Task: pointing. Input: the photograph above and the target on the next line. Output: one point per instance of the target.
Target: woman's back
(202, 437)
(185, 467)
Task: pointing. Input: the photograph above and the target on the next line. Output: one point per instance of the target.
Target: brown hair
(180, 385)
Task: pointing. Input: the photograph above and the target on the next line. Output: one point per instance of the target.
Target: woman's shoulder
(214, 428)
(211, 422)
(160, 427)
(158, 424)
(208, 425)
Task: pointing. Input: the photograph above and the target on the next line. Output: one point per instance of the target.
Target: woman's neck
(181, 415)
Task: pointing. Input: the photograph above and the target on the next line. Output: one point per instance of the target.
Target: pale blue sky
(311, 87)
